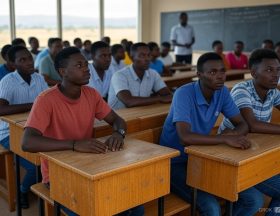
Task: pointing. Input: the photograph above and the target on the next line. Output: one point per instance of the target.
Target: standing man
(182, 37)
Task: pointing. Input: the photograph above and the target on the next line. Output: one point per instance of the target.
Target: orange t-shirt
(62, 118)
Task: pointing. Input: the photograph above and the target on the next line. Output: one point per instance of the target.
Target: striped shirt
(127, 79)
(16, 91)
(245, 96)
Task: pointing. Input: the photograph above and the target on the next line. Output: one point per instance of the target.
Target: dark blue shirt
(3, 71)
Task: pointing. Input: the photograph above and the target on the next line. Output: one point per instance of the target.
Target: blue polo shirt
(190, 106)
(157, 65)
(3, 71)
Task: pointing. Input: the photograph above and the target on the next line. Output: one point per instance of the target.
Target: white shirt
(182, 35)
(127, 79)
(167, 60)
(114, 66)
(16, 91)
(102, 86)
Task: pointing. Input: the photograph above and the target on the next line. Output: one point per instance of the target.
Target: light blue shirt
(16, 91)
(245, 95)
(114, 66)
(127, 79)
(102, 86)
(40, 56)
(46, 67)
(190, 106)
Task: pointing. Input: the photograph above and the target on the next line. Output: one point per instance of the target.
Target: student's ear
(61, 72)
(254, 72)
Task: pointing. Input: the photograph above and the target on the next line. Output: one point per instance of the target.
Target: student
(117, 52)
(106, 39)
(155, 64)
(18, 90)
(78, 43)
(46, 67)
(100, 76)
(137, 85)
(182, 37)
(267, 44)
(256, 99)
(41, 55)
(127, 46)
(193, 113)
(55, 122)
(218, 48)
(8, 66)
(18, 42)
(66, 44)
(165, 57)
(236, 59)
(86, 50)
(277, 49)
(34, 44)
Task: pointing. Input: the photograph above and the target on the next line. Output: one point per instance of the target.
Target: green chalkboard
(249, 24)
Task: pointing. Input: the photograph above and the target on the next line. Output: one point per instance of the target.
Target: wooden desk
(106, 184)
(225, 171)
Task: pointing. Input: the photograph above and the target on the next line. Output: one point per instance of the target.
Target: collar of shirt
(200, 97)
(134, 75)
(21, 80)
(95, 74)
(255, 94)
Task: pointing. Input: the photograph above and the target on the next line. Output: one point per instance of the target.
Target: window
(120, 20)
(4, 23)
(80, 19)
(36, 18)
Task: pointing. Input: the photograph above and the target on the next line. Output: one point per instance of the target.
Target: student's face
(79, 44)
(34, 44)
(102, 58)
(87, 46)
(9, 64)
(164, 51)
(120, 54)
(24, 62)
(184, 20)
(56, 47)
(76, 71)
(213, 75)
(142, 58)
(219, 49)
(66, 44)
(238, 48)
(155, 52)
(267, 46)
(267, 73)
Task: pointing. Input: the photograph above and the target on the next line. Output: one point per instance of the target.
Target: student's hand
(166, 98)
(91, 146)
(237, 141)
(115, 142)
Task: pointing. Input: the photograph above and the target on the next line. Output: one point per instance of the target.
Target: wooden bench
(8, 187)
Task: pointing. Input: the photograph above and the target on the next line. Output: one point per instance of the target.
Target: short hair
(166, 44)
(152, 45)
(31, 39)
(98, 45)
(18, 41)
(207, 57)
(13, 51)
(51, 41)
(86, 41)
(268, 41)
(115, 48)
(258, 55)
(5, 50)
(61, 58)
(183, 14)
(135, 47)
(239, 42)
(76, 40)
(216, 42)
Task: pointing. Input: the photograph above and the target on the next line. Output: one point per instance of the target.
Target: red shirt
(236, 62)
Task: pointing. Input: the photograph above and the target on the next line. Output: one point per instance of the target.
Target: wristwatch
(121, 132)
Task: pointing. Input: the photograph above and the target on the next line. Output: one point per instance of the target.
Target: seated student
(165, 57)
(41, 55)
(155, 64)
(78, 43)
(267, 44)
(218, 48)
(106, 39)
(18, 42)
(193, 113)
(277, 49)
(66, 44)
(8, 66)
(100, 76)
(18, 90)
(137, 85)
(46, 67)
(34, 44)
(117, 52)
(236, 59)
(51, 127)
(86, 50)
(256, 99)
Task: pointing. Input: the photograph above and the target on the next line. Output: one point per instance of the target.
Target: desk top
(96, 166)
(15, 118)
(261, 144)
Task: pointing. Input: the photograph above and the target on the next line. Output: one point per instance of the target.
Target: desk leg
(161, 206)
(40, 201)
(229, 207)
(56, 209)
(18, 185)
(193, 203)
